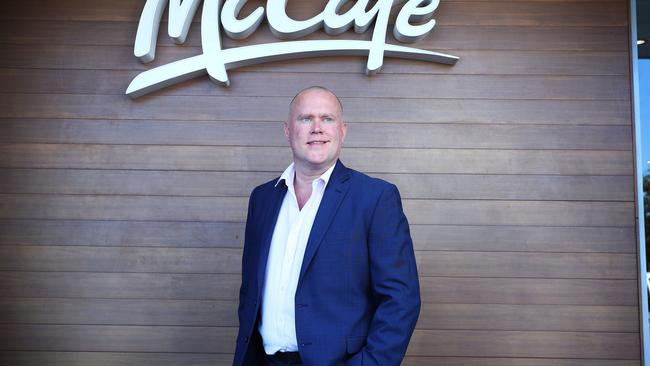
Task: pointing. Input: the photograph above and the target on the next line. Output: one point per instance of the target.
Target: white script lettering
(215, 61)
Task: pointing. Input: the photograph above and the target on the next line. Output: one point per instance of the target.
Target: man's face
(315, 130)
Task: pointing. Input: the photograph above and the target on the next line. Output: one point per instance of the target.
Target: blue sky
(644, 105)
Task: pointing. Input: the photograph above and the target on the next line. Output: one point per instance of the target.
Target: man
(328, 270)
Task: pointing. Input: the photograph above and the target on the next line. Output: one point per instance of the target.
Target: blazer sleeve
(394, 284)
(246, 310)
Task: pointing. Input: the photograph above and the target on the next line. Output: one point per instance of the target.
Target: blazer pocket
(355, 343)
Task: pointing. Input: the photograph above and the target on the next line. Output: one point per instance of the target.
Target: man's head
(315, 129)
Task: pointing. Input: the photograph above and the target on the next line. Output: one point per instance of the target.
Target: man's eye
(305, 120)
(328, 119)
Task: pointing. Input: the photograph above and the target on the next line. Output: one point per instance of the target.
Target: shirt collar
(289, 174)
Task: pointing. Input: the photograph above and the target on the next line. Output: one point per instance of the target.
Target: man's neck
(303, 180)
(306, 175)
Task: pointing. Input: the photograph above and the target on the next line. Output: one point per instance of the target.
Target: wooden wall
(121, 220)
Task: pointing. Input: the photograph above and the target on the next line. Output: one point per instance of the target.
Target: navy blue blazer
(358, 296)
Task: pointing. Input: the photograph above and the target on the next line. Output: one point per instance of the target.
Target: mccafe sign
(413, 22)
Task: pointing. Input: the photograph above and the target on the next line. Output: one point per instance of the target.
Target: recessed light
(640, 42)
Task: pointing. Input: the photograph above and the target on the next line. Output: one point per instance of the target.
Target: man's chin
(319, 164)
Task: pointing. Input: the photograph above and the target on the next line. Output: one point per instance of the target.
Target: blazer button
(245, 339)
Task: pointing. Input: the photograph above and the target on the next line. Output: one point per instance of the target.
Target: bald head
(314, 88)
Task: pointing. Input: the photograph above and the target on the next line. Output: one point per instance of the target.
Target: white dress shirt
(292, 229)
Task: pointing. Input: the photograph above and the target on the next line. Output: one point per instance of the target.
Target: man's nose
(316, 126)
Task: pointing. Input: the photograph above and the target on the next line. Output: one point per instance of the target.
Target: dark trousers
(271, 360)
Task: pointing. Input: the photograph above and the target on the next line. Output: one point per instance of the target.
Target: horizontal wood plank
(271, 108)
(423, 186)
(225, 260)
(229, 209)
(224, 234)
(440, 290)
(554, 213)
(524, 238)
(213, 313)
(120, 285)
(59, 358)
(120, 259)
(125, 233)
(568, 318)
(521, 13)
(233, 209)
(524, 344)
(503, 62)
(367, 134)
(26, 358)
(275, 159)
(512, 361)
(423, 342)
(102, 338)
(531, 291)
(531, 265)
(444, 37)
(538, 187)
(253, 84)
(223, 313)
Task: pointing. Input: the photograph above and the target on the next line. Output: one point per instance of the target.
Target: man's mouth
(317, 142)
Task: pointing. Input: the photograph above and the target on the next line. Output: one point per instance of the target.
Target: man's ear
(285, 125)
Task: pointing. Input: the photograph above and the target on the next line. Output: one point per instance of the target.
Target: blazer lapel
(332, 198)
(275, 203)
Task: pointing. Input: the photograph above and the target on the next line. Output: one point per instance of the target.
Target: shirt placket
(295, 222)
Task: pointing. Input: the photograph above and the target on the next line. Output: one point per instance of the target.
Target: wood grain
(520, 13)
(526, 265)
(529, 291)
(253, 84)
(276, 159)
(125, 233)
(524, 238)
(570, 318)
(109, 338)
(240, 184)
(453, 290)
(121, 221)
(58, 358)
(444, 37)
(524, 344)
(224, 313)
(496, 361)
(503, 62)
(551, 213)
(221, 340)
(120, 285)
(25, 358)
(367, 134)
(226, 234)
(120, 259)
(272, 108)
(206, 313)
(225, 260)
(233, 209)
